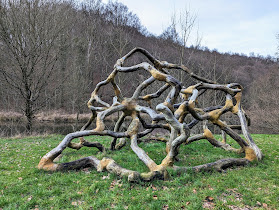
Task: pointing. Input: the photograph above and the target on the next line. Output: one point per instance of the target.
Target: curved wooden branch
(116, 129)
(218, 165)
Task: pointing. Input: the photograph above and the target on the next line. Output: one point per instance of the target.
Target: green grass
(23, 186)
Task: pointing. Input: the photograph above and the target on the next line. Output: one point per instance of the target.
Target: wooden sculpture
(168, 115)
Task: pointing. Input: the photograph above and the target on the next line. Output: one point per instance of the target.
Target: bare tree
(37, 53)
(183, 33)
(29, 31)
(264, 94)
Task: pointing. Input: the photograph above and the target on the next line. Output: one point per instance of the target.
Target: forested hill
(53, 53)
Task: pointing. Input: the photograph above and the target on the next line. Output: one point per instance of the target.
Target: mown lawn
(23, 186)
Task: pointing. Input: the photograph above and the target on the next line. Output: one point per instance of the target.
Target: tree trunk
(29, 114)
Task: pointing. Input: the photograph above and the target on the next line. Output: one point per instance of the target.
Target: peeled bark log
(218, 165)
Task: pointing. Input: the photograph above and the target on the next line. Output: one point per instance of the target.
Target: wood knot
(130, 105)
(208, 134)
(104, 163)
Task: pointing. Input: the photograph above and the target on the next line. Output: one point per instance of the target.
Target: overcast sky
(241, 26)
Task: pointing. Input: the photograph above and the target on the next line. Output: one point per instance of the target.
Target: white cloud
(236, 26)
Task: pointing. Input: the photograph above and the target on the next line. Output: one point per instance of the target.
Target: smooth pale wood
(142, 154)
(116, 129)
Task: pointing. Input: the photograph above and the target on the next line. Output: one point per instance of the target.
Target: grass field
(23, 186)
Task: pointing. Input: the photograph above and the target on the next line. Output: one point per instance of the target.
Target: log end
(250, 154)
(47, 164)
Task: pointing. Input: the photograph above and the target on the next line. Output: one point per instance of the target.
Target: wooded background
(53, 53)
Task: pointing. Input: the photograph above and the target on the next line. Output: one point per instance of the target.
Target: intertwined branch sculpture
(168, 111)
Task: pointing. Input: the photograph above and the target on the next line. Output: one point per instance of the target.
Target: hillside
(55, 64)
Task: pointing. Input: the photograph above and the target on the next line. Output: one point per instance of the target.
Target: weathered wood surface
(171, 113)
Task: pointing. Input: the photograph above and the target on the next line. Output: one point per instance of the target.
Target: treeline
(53, 53)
